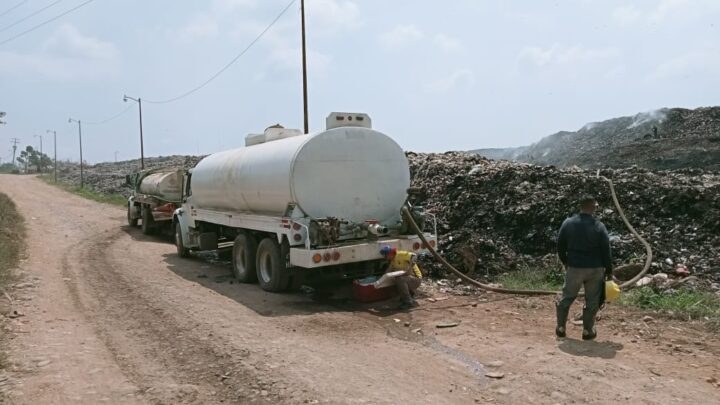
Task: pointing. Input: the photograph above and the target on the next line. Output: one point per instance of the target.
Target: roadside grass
(86, 192)
(683, 303)
(532, 278)
(12, 243)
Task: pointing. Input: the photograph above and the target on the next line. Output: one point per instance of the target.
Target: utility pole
(116, 156)
(55, 151)
(41, 151)
(70, 120)
(304, 66)
(142, 150)
(39, 136)
(14, 142)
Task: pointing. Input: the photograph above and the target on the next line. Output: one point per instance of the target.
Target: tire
(272, 274)
(133, 222)
(243, 259)
(147, 221)
(182, 251)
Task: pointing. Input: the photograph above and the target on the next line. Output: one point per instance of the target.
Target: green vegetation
(683, 303)
(529, 278)
(33, 158)
(9, 168)
(86, 192)
(12, 240)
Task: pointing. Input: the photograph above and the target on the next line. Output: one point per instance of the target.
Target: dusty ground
(111, 316)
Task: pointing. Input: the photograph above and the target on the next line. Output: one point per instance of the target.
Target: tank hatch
(343, 119)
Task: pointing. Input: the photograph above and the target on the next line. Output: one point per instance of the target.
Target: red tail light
(416, 245)
(297, 237)
(327, 256)
(336, 255)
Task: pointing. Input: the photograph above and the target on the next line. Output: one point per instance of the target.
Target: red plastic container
(365, 291)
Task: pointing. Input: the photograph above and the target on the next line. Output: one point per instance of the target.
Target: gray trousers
(575, 278)
(407, 285)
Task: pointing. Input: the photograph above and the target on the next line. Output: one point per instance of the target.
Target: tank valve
(377, 229)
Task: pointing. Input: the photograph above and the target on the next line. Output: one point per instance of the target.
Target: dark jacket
(583, 242)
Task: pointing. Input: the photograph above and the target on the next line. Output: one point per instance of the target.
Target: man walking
(584, 249)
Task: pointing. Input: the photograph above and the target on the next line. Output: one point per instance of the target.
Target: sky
(435, 76)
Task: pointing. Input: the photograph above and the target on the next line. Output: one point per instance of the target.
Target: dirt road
(112, 316)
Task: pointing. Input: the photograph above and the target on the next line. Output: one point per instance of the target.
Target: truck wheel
(182, 251)
(131, 221)
(147, 221)
(271, 271)
(243, 259)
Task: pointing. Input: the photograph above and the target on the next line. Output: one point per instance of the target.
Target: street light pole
(142, 148)
(41, 152)
(116, 152)
(55, 151)
(82, 182)
(39, 136)
(304, 67)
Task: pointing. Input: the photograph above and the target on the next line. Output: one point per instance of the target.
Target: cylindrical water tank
(164, 185)
(351, 173)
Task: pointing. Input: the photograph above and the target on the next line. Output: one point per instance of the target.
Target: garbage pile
(664, 139)
(109, 177)
(498, 216)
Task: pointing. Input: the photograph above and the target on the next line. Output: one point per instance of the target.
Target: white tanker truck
(300, 206)
(157, 193)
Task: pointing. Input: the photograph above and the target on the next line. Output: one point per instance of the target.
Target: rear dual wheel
(272, 272)
(243, 258)
(148, 224)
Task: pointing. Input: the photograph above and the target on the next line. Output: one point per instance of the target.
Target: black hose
(486, 287)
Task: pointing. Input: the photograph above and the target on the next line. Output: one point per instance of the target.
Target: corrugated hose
(625, 286)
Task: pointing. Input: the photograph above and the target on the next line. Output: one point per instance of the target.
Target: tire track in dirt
(165, 357)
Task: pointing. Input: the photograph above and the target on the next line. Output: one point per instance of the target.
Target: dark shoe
(407, 305)
(560, 331)
(589, 335)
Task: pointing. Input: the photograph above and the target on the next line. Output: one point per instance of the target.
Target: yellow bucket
(612, 291)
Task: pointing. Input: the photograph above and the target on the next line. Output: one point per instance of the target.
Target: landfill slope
(669, 138)
(497, 216)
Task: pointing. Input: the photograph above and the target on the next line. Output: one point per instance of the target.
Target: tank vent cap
(343, 119)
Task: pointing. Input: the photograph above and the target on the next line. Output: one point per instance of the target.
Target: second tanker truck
(300, 205)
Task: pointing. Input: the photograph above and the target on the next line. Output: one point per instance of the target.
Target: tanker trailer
(156, 194)
(301, 206)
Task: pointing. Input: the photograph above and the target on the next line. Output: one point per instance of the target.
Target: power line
(111, 118)
(45, 22)
(13, 8)
(31, 15)
(235, 59)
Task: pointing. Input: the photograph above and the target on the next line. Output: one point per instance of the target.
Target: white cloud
(66, 55)
(447, 42)
(201, 26)
(458, 78)
(331, 15)
(665, 10)
(626, 14)
(232, 5)
(289, 59)
(668, 7)
(559, 55)
(701, 61)
(401, 36)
